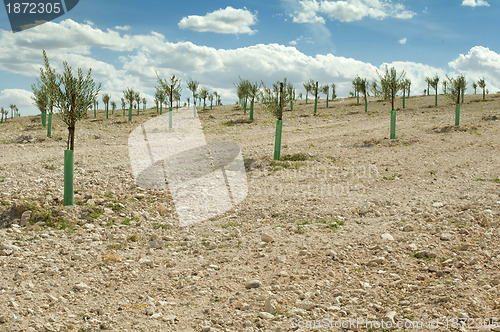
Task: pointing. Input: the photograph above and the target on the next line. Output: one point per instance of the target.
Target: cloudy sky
(215, 42)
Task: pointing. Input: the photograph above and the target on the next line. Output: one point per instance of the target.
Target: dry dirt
(355, 232)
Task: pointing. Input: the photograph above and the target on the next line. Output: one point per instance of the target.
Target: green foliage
(129, 96)
(171, 88)
(309, 86)
(273, 101)
(193, 87)
(72, 95)
(105, 98)
(455, 87)
(391, 83)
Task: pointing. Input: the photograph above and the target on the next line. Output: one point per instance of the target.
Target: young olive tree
(105, 99)
(325, 89)
(434, 82)
(113, 107)
(137, 99)
(193, 87)
(72, 95)
(393, 83)
(428, 80)
(40, 99)
(129, 95)
(254, 93)
(3, 114)
(455, 88)
(482, 84)
(474, 86)
(204, 95)
(308, 86)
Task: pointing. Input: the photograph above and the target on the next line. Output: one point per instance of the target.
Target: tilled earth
(350, 231)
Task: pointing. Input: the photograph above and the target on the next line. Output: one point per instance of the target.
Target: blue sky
(215, 42)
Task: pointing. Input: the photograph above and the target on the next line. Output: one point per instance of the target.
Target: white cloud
(312, 11)
(228, 21)
(475, 3)
(122, 28)
(19, 97)
(403, 41)
(480, 62)
(138, 57)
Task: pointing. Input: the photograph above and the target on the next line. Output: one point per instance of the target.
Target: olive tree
(455, 89)
(40, 99)
(3, 114)
(268, 97)
(72, 95)
(193, 87)
(113, 107)
(105, 99)
(434, 82)
(325, 89)
(392, 83)
(129, 96)
(204, 95)
(482, 84)
(254, 92)
(308, 86)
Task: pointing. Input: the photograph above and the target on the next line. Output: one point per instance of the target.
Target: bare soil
(348, 227)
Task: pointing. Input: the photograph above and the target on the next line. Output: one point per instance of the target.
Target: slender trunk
(71, 138)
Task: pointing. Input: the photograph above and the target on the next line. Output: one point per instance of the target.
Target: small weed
(230, 224)
(188, 304)
(134, 238)
(162, 226)
(495, 180)
(116, 246)
(110, 257)
(295, 157)
(217, 299)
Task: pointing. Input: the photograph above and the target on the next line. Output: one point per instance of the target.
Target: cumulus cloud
(475, 3)
(19, 97)
(480, 62)
(228, 21)
(122, 28)
(139, 57)
(403, 41)
(312, 11)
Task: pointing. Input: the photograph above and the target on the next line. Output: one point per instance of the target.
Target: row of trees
(4, 113)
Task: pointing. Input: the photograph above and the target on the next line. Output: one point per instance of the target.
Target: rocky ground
(352, 231)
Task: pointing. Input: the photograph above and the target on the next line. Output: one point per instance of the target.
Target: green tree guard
(194, 109)
(95, 111)
(404, 102)
(326, 101)
(315, 105)
(366, 105)
(49, 125)
(393, 124)
(68, 178)
(291, 104)
(251, 110)
(277, 142)
(44, 118)
(244, 107)
(130, 113)
(170, 117)
(107, 116)
(436, 102)
(457, 115)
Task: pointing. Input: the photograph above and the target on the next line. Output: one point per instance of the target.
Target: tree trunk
(71, 138)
